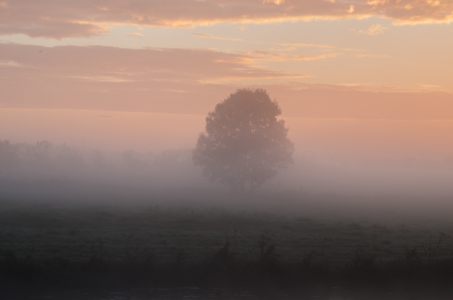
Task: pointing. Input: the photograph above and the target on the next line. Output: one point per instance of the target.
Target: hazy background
(385, 188)
(120, 92)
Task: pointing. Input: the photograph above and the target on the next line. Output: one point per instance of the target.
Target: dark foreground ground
(158, 252)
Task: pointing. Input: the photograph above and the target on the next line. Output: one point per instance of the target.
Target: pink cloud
(185, 81)
(59, 19)
(137, 65)
(106, 77)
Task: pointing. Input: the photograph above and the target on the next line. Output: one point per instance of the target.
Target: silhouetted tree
(244, 144)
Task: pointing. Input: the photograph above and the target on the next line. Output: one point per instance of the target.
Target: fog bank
(383, 187)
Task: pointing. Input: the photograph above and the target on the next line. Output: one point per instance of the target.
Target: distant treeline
(46, 161)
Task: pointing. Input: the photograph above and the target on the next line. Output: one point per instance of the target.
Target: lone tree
(244, 144)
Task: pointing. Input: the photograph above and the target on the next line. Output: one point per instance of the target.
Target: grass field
(77, 234)
(194, 246)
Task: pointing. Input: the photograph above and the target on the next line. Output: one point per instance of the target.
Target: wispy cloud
(375, 29)
(202, 35)
(99, 77)
(260, 55)
(318, 46)
(100, 63)
(103, 78)
(9, 63)
(372, 55)
(276, 2)
(431, 86)
(138, 34)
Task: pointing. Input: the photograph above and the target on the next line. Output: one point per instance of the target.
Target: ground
(214, 247)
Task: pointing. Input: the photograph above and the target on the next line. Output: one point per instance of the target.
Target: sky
(352, 77)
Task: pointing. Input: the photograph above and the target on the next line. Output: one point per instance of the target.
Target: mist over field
(385, 189)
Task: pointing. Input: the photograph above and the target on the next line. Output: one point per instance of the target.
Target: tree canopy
(244, 144)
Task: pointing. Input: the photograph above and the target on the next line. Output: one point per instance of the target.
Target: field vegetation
(160, 246)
